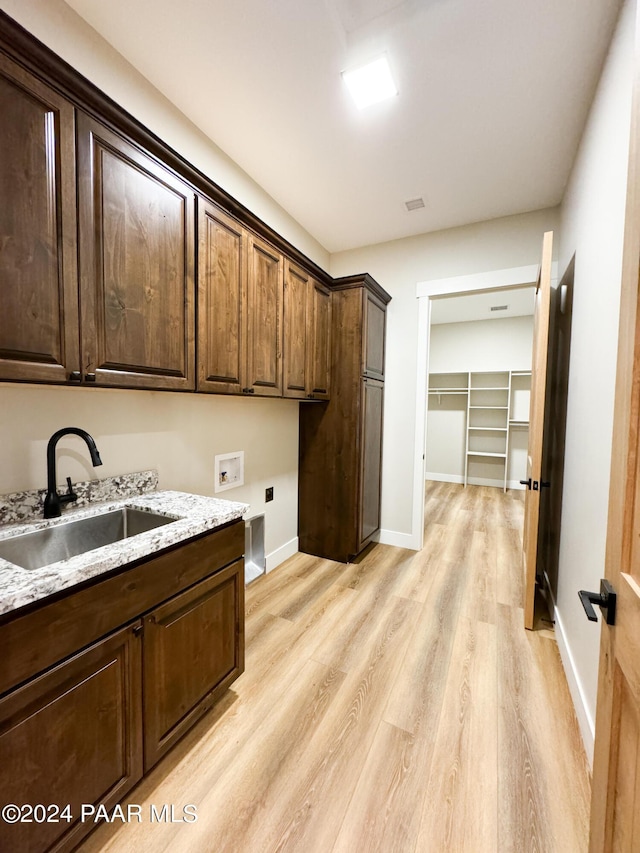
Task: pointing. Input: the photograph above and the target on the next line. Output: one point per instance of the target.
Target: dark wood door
(193, 648)
(72, 736)
(319, 342)
(555, 424)
(264, 314)
(375, 316)
(38, 271)
(542, 313)
(136, 233)
(222, 296)
(297, 285)
(371, 459)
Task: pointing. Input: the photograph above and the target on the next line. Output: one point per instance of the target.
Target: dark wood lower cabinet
(84, 730)
(371, 460)
(192, 651)
(69, 737)
(340, 449)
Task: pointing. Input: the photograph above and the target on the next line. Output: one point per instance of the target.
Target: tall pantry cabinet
(341, 441)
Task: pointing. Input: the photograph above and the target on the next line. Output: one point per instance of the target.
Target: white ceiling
(493, 95)
(477, 306)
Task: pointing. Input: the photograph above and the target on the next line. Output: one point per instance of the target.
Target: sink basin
(67, 539)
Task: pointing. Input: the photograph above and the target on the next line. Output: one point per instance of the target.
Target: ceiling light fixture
(370, 83)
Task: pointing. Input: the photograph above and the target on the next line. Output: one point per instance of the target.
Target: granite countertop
(193, 514)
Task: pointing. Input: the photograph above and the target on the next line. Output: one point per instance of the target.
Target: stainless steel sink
(69, 538)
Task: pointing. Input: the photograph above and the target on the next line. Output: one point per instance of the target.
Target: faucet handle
(69, 486)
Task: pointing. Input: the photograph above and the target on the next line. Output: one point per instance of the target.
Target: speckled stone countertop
(192, 514)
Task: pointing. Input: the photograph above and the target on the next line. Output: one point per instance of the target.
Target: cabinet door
(72, 736)
(193, 649)
(296, 291)
(319, 338)
(264, 312)
(38, 276)
(222, 283)
(371, 460)
(136, 232)
(375, 314)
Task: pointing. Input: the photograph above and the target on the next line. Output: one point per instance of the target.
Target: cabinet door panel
(319, 331)
(136, 260)
(222, 280)
(264, 305)
(73, 736)
(193, 648)
(371, 460)
(38, 276)
(374, 336)
(296, 289)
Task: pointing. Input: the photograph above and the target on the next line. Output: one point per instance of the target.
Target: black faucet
(53, 500)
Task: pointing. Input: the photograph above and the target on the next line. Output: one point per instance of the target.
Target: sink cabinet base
(85, 729)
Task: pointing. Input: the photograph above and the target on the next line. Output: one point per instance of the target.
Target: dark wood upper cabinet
(297, 283)
(264, 319)
(222, 297)
(38, 274)
(136, 235)
(373, 340)
(307, 335)
(319, 342)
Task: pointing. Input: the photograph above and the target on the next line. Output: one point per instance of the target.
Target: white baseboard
(474, 481)
(585, 720)
(444, 478)
(281, 554)
(399, 540)
(515, 484)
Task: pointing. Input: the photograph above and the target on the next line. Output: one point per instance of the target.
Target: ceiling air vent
(498, 308)
(414, 204)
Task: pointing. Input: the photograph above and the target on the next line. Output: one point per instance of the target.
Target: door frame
(426, 291)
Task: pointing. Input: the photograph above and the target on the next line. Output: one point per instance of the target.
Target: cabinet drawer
(72, 736)
(193, 648)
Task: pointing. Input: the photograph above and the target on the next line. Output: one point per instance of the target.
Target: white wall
(399, 265)
(177, 434)
(504, 344)
(592, 221)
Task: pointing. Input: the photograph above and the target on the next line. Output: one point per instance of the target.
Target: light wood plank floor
(394, 704)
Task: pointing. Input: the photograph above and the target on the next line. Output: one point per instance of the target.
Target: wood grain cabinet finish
(113, 674)
(373, 339)
(38, 270)
(297, 284)
(264, 319)
(72, 736)
(193, 649)
(372, 394)
(319, 342)
(222, 299)
(136, 240)
(307, 335)
(341, 441)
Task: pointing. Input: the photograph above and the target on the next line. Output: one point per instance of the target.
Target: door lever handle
(526, 483)
(605, 599)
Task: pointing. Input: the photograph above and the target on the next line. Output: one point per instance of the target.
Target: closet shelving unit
(497, 403)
